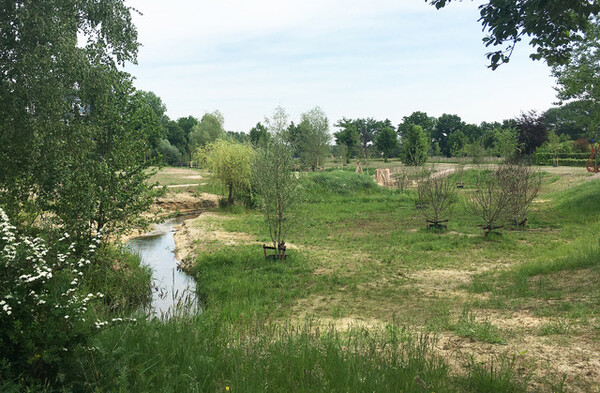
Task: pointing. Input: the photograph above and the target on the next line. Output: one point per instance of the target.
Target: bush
(43, 313)
(436, 195)
(564, 159)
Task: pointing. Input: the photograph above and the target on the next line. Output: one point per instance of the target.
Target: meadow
(369, 299)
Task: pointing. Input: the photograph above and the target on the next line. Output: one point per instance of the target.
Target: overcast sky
(353, 58)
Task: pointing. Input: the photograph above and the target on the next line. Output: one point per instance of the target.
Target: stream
(173, 291)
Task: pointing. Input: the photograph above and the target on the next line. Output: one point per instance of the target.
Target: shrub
(490, 201)
(436, 195)
(43, 313)
(339, 182)
(523, 183)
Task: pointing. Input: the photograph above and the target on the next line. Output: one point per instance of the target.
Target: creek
(173, 290)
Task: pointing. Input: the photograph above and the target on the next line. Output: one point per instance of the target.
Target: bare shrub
(436, 196)
(491, 201)
(523, 183)
(402, 178)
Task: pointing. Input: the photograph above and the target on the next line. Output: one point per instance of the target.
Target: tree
(314, 137)
(259, 135)
(506, 143)
(276, 185)
(580, 78)
(386, 142)
(348, 137)
(169, 153)
(418, 119)
(554, 26)
(445, 126)
(457, 141)
(230, 163)
(573, 119)
(278, 124)
(208, 130)
(43, 70)
(553, 145)
(532, 131)
(415, 145)
(435, 197)
(523, 184)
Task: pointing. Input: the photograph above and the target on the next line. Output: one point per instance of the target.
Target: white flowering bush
(43, 312)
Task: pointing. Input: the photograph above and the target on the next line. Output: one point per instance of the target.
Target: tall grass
(201, 354)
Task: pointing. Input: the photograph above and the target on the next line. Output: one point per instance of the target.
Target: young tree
(436, 196)
(553, 145)
(386, 142)
(415, 145)
(506, 143)
(277, 187)
(417, 119)
(314, 138)
(491, 201)
(445, 126)
(230, 164)
(553, 26)
(523, 183)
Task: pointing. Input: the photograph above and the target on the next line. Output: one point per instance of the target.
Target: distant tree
(169, 153)
(506, 143)
(230, 163)
(278, 124)
(475, 151)
(573, 119)
(348, 137)
(553, 26)
(457, 141)
(386, 142)
(415, 145)
(314, 137)
(418, 119)
(276, 185)
(208, 130)
(259, 135)
(553, 145)
(237, 136)
(532, 132)
(176, 137)
(445, 126)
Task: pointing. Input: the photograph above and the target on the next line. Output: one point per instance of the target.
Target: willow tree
(230, 164)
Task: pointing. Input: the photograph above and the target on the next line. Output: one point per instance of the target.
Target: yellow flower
(226, 388)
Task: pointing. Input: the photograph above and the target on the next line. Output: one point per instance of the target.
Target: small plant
(436, 196)
(467, 326)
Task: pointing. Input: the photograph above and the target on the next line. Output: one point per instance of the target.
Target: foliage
(349, 138)
(418, 119)
(259, 135)
(580, 78)
(573, 118)
(554, 27)
(278, 124)
(367, 131)
(230, 163)
(314, 139)
(43, 314)
(532, 132)
(415, 145)
(208, 130)
(445, 126)
(475, 151)
(169, 153)
(457, 141)
(506, 143)
(435, 197)
(277, 188)
(67, 115)
(386, 142)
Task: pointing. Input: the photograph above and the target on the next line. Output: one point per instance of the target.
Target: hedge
(548, 158)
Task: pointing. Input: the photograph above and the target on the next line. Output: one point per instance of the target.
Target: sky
(353, 58)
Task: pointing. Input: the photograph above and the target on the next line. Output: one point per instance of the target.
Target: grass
(367, 256)
(200, 354)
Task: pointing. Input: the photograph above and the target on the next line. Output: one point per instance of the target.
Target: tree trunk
(230, 197)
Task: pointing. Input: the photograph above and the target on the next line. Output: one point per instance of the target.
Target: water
(172, 288)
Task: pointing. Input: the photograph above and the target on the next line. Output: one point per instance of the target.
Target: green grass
(201, 354)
